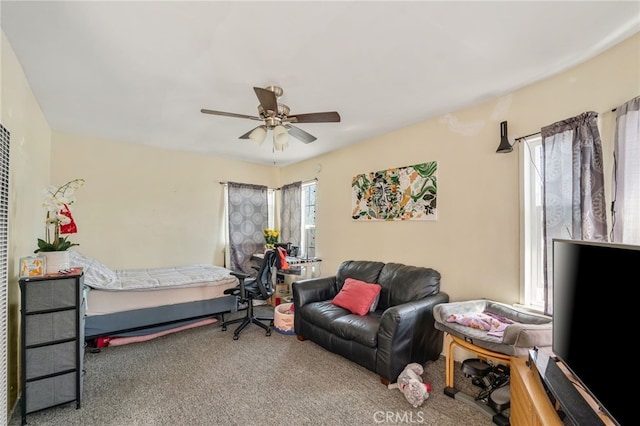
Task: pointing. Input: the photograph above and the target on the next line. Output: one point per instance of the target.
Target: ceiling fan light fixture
(276, 117)
(259, 134)
(280, 138)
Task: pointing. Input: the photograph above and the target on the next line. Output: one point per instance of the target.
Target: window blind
(4, 264)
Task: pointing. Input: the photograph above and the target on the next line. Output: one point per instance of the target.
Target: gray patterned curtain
(574, 205)
(247, 219)
(291, 213)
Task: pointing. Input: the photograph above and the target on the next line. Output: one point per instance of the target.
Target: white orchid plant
(59, 220)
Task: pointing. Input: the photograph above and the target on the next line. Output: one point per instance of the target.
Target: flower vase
(56, 261)
(268, 247)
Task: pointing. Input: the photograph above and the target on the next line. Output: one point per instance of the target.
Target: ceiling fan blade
(267, 99)
(229, 114)
(300, 134)
(315, 117)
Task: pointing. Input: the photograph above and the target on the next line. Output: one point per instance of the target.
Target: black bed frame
(152, 320)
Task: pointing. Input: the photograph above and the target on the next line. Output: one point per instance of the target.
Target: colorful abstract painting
(401, 193)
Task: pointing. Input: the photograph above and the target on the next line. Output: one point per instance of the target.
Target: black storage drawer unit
(52, 349)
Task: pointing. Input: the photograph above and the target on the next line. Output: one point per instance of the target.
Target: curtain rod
(537, 133)
(315, 179)
(277, 189)
(528, 136)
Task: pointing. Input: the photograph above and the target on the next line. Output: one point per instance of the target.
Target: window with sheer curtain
(626, 175)
(563, 212)
(309, 190)
(251, 208)
(298, 216)
(533, 245)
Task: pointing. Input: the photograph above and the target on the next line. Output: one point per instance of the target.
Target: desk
(300, 268)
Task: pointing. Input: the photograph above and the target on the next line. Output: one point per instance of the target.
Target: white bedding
(99, 276)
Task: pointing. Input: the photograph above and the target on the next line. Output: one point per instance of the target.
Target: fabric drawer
(52, 391)
(51, 294)
(50, 359)
(43, 328)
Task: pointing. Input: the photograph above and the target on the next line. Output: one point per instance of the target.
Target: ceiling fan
(276, 118)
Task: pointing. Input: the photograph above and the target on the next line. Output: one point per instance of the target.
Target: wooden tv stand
(530, 404)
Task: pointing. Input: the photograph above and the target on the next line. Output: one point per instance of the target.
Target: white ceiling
(140, 72)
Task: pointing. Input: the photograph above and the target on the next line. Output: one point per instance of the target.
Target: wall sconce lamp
(504, 146)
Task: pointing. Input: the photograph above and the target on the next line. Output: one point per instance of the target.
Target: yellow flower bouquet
(271, 237)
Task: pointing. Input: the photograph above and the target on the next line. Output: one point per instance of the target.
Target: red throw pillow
(357, 296)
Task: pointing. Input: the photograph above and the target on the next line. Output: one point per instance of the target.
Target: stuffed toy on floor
(411, 385)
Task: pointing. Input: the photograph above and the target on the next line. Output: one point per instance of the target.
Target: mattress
(101, 302)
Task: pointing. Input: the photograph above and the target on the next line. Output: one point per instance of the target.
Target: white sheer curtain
(626, 174)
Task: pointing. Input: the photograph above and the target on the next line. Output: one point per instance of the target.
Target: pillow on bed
(95, 273)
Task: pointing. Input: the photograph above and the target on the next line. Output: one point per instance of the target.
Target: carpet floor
(202, 376)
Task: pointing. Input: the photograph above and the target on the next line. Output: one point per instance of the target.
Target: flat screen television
(595, 314)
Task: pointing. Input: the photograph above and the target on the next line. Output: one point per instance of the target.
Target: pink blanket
(119, 341)
(494, 324)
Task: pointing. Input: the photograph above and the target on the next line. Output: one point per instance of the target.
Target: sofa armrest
(407, 334)
(313, 290)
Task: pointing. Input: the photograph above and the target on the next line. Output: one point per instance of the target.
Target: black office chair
(251, 288)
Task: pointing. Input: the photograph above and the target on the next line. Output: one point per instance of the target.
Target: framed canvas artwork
(400, 193)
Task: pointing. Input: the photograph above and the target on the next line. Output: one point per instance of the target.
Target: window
(626, 174)
(271, 208)
(533, 242)
(306, 213)
(308, 248)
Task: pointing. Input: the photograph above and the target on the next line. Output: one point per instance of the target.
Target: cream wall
(475, 243)
(146, 207)
(30, 145)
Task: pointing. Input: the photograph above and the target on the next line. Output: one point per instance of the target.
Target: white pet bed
(512, 332)
(522, 331)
